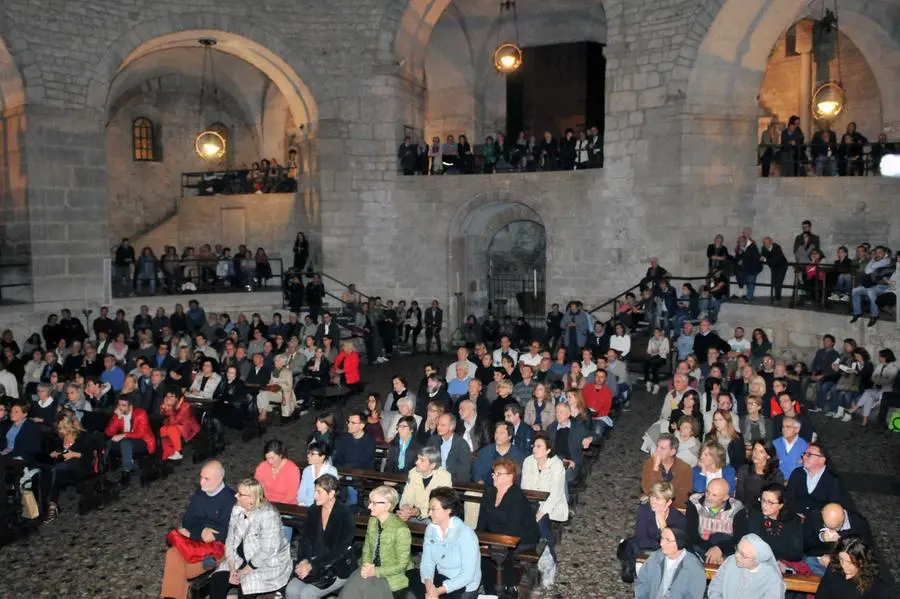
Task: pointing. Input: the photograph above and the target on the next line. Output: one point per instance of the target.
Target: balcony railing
(812, 161)
(238, 181)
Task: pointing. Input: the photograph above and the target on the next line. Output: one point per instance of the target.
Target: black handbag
(324, 576)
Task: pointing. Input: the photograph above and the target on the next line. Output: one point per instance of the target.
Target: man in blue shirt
(502, 447)
(112, 374)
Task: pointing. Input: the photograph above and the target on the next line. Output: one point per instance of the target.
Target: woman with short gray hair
(426, 476)
(405, 407)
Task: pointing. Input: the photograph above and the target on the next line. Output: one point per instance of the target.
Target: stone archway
(492, 224)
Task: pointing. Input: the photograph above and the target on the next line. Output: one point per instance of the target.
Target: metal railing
(237, 181)
(511, 159)
(865, 162)
(811, 294)
(196, 275)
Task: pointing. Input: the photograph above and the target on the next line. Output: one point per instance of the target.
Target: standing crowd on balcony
(788, 153)
(527, 153)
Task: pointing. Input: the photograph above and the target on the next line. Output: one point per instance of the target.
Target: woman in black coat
(505, 510)
(301, 252)
(326, 546)
(406, 431)
(776, 524)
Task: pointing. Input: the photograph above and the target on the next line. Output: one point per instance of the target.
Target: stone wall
(141, 193)
(267, 220)
(779, 95)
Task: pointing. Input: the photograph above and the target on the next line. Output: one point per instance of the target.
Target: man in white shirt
(738, 344)
(505, 350)
(533, 357)
(462, 357)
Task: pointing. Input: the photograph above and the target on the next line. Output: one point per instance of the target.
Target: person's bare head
(681, 383)
(833, 516)
(211, 476)
(716, 493)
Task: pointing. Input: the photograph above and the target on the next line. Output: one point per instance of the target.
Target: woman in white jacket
(882, 380)
(205, 382)
(543, 471)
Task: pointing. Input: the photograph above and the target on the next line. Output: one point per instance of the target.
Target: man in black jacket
(315, 293)
(814, 239)
(749, 268)
(772, 256)
(707, 338)
(434, 317)
(328, 328)
(827, 487)
(823, 529)
(456, 456)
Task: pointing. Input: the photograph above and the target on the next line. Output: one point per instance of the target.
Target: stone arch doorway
(498, 262)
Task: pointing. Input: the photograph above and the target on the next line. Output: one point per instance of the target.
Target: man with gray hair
(205, 521)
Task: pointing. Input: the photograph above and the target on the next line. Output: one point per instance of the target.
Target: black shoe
(872, 321)
(855, 318)
(125, 479)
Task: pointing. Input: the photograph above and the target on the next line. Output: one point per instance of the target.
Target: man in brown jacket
(663, 466)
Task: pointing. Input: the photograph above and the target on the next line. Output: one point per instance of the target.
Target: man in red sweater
(598, 399)
(129, 434)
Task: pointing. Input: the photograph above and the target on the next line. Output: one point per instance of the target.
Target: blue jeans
(842, 399)
(825, 389)
(750, 282)
(871, 293)
(814, 565)
(127, 449)
(140, 284)
(843, 283)
(544, 526)
(598, 428)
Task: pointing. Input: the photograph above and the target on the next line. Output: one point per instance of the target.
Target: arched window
(142, 138)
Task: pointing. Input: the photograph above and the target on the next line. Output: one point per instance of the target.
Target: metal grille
(518, 294)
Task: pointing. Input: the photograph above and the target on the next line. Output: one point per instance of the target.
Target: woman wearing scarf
(751, 573)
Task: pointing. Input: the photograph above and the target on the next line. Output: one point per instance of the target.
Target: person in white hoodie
(873, 283)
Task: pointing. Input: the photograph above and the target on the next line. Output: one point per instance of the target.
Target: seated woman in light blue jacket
(318, 455)
(451, 558)
(673, 571)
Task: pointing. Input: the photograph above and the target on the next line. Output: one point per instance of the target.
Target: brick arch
(240, 37)
(13, 87)
(730, 42)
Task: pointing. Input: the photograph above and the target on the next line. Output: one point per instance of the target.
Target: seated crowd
(738, 480)
(868, 282)
(505, 421)
(787, 153)
(192, 270)
(527, 153)
(263, 176)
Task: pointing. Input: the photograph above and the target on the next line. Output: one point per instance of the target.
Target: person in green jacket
(385, 553)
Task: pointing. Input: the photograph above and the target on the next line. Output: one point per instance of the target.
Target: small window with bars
(142, 136)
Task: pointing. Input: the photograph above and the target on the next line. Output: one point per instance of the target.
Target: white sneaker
(655, 389)
(847, 417)
(839, 413)
(176, 456)
(834, 297)
(649, 386)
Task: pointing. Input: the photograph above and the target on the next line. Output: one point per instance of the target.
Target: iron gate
(518, 294)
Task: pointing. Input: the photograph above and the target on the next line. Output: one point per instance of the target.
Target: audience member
(790, 446)
(672, 571)
(318, 458)
(715, 522)
(179, 424)
(663, 466)
(422, 480)
(814, 485)
(129, 435)
(776, 524)
(762, 470)
(257, 555)
(403, 449)
(456, 455)
(206, 521)
(824, 529)
(502, 447)
(855, 575)
(751, 573)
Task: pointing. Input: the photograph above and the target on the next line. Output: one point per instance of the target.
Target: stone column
(804, 47)
(67, 202)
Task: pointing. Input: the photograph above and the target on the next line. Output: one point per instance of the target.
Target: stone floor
(117, 552)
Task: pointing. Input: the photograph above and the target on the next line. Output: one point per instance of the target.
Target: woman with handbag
(385, 553)
(326, 556)
(257, 555)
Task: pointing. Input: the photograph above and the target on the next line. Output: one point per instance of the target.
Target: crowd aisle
(118, 551)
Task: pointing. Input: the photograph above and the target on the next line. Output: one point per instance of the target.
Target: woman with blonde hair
(72, 459)
(257, 555)
(710, 466)
(385, 552)
(724, 433)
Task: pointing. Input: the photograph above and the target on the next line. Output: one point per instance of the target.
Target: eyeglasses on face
(497, 473)
(809, 454)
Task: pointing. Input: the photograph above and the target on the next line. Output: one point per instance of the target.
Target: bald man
(821, 534)
(206, 520)
(715, 522)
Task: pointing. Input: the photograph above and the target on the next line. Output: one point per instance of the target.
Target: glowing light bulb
(828, 107)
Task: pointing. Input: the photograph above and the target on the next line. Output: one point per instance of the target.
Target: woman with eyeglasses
(326, 558)
(318, 456)
(404, 448)
(775, 524)
(505, 510)
(751, 573)
(451, 559)
(385, 552)
(257, 556)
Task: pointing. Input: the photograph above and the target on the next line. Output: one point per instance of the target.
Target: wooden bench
(795, 582)
(495, 547)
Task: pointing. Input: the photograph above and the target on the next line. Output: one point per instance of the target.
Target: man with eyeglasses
(789, 410)
(354, 450)
(790, 447)
(813, 486)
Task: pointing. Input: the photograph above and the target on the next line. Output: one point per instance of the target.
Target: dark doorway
(559, 86)
(517, 265)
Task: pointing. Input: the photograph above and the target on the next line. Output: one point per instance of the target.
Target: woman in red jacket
(180, 424)
(346, 365)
